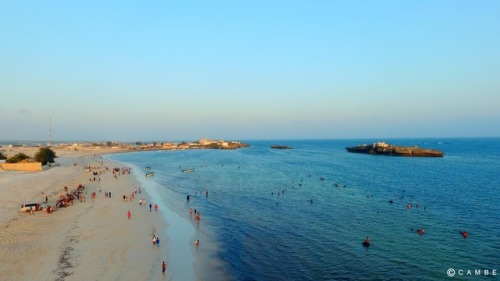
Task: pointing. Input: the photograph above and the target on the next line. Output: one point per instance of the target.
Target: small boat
(150, 174)
(188, 170)
(147, 168)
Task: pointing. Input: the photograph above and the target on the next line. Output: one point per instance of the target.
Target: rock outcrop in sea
(383, 148)
(281, 147)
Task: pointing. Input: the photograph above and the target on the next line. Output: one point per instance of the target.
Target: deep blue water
(277, 214)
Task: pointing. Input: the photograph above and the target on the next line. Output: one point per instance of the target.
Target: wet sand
(180, 233)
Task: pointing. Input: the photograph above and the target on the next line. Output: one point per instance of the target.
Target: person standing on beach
(129, 214)
(163, 267)
(150, 206)
(156, 207)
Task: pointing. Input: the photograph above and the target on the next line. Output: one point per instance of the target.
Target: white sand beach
(91, 240)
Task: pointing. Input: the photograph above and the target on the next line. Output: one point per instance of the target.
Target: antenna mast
(50, 131)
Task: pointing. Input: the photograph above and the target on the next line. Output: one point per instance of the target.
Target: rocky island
(382, 148)
(281, 147)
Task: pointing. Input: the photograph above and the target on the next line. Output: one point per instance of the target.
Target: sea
(303, 213)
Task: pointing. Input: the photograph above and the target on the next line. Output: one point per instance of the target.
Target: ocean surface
(302, 214)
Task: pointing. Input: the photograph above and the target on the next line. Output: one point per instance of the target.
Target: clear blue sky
(182, 70)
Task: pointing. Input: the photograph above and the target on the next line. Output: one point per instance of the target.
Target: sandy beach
(90, 240)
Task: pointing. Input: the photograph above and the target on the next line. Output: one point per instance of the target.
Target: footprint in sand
(7, 241)
(122, 254)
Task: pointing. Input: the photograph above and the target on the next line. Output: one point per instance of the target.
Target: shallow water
(277, 214)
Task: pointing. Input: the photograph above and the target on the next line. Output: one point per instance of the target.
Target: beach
(299, 214)
(89, 240)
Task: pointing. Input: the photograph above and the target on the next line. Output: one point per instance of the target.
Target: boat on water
(188, 170)
(150, 174)
(147, 168)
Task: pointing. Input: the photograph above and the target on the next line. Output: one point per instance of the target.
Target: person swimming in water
(366, 243)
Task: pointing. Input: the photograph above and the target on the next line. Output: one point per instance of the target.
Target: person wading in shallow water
(163, 267)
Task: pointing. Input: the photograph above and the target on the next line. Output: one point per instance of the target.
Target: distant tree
(18, 157)
(109, 144)
(45, 155)
(138, 143)
(2, 156)
(154, 143)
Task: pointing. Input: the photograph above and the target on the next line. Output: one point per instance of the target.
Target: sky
(242, 70)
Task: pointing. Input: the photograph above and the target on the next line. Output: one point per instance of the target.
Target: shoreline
(88, 240)
(178, 231)
(182, 228)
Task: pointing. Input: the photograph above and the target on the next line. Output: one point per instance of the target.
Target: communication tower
(50, 131)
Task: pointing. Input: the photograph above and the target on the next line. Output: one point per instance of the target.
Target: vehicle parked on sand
(31, 206)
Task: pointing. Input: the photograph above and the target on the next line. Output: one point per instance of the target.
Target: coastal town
(203, 143)
(61, 148)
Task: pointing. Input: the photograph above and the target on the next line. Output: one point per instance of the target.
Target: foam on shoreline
(186, 261)
(179, 231)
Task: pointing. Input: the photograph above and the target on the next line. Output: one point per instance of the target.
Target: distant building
(381, 144)
(168, 145)
(207, 141)
(183, 146)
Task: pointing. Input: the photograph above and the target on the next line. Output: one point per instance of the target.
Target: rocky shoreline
(382, 148)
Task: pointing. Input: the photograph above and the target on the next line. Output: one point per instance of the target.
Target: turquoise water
(278, 214)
